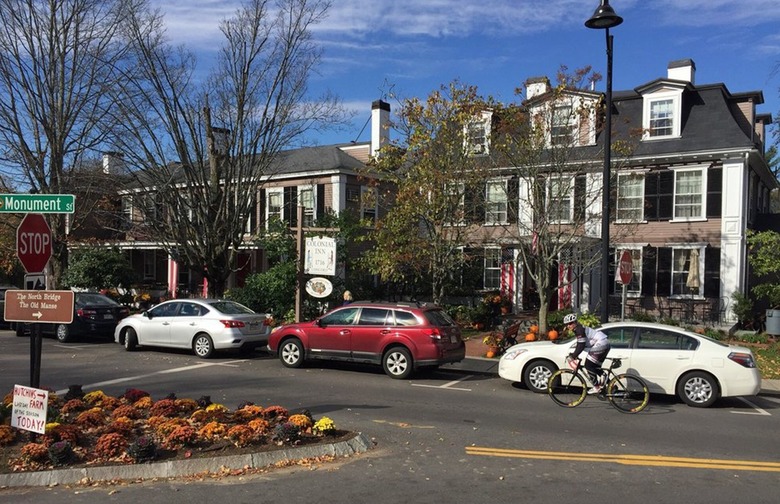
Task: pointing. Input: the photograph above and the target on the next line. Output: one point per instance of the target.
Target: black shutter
(290, 210)
(474, 199)
(649, 259)
(651, 197)
(262, 213)
(513, 188)
(664, 268)
(320, 201)
(714, 191)
(712, 272)
(666, 195)
(579, 198)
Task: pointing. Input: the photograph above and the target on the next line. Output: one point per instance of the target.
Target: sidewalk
(476, 362)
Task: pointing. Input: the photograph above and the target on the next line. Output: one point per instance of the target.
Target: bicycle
(627, 393)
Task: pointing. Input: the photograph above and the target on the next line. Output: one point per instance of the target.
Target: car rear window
(404, 318)
(230, 308)
(439, 318)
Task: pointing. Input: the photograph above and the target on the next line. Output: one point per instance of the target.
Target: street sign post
(626, 272)
(38, 203)
(33, 243)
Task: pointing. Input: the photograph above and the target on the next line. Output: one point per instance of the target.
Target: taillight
(434, 334)
(85, 313)
(232, 324)
(743, 359)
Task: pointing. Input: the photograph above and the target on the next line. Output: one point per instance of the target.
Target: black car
(93, 314)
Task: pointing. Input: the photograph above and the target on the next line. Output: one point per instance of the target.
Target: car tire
(62, 333)
(698, 389)
(203, 346)
(537, 374)
(397, 363)
(291, 353)
(131, 339)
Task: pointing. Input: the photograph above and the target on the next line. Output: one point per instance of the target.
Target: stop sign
(626, 267)
(33, 243)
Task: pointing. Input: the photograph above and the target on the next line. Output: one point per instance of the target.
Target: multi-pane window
(634, 287)
(496, 202)
(455, 201)
(275, 205)
(688, 194)
(306, 200)
(661, 118)
(476, 133)
(560, 192)
(492, 269)
(686, 272)
(563, 128)
(630, 197)
(368, 204)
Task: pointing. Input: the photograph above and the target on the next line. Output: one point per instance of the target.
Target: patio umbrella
(693, 271)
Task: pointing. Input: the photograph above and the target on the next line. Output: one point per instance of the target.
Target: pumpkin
(534, 329)
(490, 354)
(530, 337)
(552, 334)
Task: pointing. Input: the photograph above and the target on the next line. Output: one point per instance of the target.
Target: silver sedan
(203, 325)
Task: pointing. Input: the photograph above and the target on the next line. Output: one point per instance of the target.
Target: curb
(175, 468)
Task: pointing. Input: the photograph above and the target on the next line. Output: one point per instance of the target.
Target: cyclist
(599, 347)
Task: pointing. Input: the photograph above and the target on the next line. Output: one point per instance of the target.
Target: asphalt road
(441, 437)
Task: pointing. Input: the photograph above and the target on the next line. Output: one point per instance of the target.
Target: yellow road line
(645, 460)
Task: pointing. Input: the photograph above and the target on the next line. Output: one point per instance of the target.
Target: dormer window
(662, 113)
(477, 139)
(564, 125)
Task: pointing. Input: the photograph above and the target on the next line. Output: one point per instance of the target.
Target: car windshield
(230, 308)
(89, 299)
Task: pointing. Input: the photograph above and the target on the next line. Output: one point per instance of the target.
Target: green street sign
(37, 203)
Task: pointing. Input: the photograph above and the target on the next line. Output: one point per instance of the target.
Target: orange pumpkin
(552, 334)
(534, 329)
(490, 354)
(530, 337)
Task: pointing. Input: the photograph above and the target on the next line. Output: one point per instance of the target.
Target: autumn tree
(58, 60)
(435, 177)
(198, 153)
(547, 144)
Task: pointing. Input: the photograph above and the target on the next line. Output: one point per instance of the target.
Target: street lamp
(605, 18)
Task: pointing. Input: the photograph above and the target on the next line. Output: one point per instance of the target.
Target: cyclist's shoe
(594, 390)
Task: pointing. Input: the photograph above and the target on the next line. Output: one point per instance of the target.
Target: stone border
(174, 468)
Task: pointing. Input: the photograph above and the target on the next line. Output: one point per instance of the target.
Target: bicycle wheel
(628, 393)
(567, 388)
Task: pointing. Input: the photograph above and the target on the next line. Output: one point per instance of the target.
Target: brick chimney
(113, 163)
(380, 125)
(536, 86)
(683, 70)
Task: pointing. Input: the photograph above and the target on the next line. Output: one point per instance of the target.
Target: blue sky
(411, 47)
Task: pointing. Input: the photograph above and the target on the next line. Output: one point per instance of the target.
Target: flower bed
(95, 428)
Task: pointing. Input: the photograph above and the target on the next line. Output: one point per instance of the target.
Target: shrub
(110, 445)
(143, 449)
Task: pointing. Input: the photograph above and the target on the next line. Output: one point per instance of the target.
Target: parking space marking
(758, 411)
(164, 371)
(448, 386)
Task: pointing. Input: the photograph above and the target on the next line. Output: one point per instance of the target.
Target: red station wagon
(401, 337)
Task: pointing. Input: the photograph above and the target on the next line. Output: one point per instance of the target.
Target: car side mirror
(320, 323)
(148, 314)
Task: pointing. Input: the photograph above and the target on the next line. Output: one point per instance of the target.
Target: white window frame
(681, 268)
(634, 212)
(564, 133)
(676, 113)
(368, 212)
(269, 213)
(678, 199)
(497, 205)
(476, 135)
(634, 288)
(560, 199)
(309, 207)
(491, 268)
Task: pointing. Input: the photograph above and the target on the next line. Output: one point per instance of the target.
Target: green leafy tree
(99, 268)
(436, 177)
(764, 252)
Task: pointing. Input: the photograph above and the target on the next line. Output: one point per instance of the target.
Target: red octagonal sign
(33, 243)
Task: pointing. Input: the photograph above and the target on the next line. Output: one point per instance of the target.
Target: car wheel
(698, 389)
(291, 353)
(537, 374)
(397, 363)
(203, 346)
(63, 333)
(131, 339)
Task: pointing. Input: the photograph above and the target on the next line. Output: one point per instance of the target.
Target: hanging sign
(319, 287)
(320, 256)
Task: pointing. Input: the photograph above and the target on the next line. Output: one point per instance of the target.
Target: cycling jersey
(593, 338)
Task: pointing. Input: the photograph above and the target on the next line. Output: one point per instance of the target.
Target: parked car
(670, 359)
(401, 337)
(202, 325)
(93, 314)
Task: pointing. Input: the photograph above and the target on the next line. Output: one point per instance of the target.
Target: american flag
(508, 273)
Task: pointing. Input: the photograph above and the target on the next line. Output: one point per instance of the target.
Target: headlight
(514, 354)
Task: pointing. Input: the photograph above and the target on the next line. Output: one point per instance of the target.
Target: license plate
(108, 316)
(453, 339)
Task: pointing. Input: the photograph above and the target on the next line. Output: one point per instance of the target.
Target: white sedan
(670, 359)
(202, 325)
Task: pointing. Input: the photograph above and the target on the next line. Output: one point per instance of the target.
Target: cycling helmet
(571, 317)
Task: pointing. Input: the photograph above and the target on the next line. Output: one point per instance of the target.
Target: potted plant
(493, 342)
